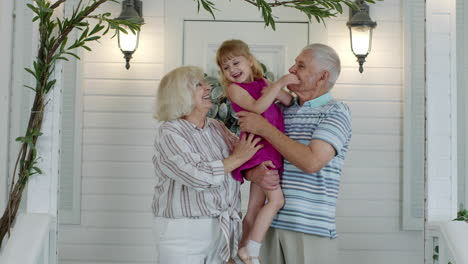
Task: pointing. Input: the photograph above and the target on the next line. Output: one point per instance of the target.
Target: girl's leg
(266, 214)
(249, 253)
(256, 202)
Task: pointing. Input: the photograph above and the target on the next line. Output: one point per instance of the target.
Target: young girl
(242, 77)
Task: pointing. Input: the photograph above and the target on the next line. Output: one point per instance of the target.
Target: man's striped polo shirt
(310, 205)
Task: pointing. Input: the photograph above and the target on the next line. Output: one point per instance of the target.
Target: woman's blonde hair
(234, 48)
(174, 98)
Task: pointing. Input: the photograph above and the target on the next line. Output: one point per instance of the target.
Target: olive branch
(53, 46)
(319, 9)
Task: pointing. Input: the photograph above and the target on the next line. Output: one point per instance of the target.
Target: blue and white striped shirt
(310, 199)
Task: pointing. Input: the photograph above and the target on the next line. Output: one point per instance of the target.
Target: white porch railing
(29, 241)
(449, 243)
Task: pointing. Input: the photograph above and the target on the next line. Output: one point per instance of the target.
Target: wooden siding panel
(120, 87)
(105, 253)
(126, 169)
(118, 120)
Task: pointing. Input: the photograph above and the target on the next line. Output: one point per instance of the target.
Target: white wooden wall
(117, 173)
(369, 206)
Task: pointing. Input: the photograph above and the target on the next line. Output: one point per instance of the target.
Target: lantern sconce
(128, 43)
(360, 32)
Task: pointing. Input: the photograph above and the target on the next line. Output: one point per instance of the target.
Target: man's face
(307, 73)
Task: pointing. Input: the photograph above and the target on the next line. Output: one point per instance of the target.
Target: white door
(276, 49)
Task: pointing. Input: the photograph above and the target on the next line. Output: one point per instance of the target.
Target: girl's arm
(242, 98)
(285, 98)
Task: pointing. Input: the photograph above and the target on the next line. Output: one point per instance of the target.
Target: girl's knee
(277, 202)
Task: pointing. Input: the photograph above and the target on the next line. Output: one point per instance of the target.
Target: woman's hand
(246, 147)
(243, 151)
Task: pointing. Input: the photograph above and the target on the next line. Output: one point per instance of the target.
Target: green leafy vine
(53, 46)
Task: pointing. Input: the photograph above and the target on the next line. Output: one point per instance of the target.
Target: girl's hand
(288, 79)
(246, 147)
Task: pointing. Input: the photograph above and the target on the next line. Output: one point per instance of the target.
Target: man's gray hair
(327, 59)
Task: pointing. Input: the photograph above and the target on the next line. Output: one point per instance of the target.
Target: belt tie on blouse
(231, 226)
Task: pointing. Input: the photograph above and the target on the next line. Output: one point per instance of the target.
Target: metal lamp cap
(360, 19)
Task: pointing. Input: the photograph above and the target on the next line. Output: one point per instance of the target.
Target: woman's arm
(175, 159)
(230, 138)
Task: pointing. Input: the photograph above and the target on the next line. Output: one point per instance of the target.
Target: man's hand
(251, 122)
(264, 175)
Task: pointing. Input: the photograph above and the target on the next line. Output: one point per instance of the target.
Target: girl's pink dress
(275, 117)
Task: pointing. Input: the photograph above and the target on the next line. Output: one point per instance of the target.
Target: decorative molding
(6, 48)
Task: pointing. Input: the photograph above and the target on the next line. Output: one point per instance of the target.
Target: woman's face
(201, 96)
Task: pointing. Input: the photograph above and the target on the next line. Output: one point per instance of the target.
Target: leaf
(93, 38)
(223, 111)
(207, 5)
(84, 34)
(270, 76)
(62, 58)
(64, 42)
(38, 171)
(29, 87)
(213, 111)
(216, 92)
(31, 72)
(96, 29)
(86, 48)
(50, 85)
(107, 30)
(72, 54)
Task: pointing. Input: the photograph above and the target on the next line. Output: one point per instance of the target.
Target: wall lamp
(360, 31)
(128, 43)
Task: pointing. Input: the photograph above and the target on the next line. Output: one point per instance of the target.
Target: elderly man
(316, 139)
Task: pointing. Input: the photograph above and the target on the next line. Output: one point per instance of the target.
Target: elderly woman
(196, 202)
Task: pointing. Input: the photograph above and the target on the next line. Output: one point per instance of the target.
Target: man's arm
(309, 158)
(264, 175)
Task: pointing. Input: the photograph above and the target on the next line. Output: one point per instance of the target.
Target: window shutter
(70, 167)
(414, 117)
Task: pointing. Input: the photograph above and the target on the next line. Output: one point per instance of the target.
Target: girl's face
(238, 69)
